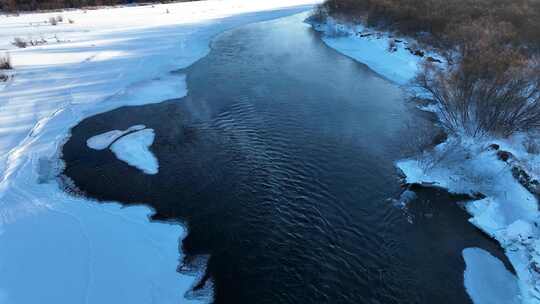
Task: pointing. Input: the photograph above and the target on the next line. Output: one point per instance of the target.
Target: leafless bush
(5, 62)
(532, 145)
(436, 17)
(319, 14)
(392, 46)
(493, 88)
(59, 18)
(418, 135)
(53, 21)
(501, 105)
(71, 21)
(22, 43)
(19, 42)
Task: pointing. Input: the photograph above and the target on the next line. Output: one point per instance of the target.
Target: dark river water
(280, 162)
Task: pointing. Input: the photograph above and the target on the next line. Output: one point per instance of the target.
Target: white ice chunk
(486, 279)
(134, 150)
(104, 140)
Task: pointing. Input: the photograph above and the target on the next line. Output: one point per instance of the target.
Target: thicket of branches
(438, 17)
(31, 5)
(491, 84)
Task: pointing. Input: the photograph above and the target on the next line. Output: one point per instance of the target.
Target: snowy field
(509, 212)
(56, 248)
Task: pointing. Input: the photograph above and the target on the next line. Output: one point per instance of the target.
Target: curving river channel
(280, 162)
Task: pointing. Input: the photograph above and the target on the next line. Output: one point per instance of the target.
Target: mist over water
(281, 163)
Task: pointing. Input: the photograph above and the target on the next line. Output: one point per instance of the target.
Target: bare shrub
(436, 17)
(502, 104)
(532, 145)
(59, 19)
(419, 139)
(392, 46)
(22, 43)
(493, 88)
(419, 134)
(319, 14)
(71, 21)
(53, 21)
(5, 62)
(19, 42)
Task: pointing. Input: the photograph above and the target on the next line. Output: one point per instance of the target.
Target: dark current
(280, 162)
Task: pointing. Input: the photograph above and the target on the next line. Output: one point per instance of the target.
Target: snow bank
(486, 279)
(372, 48)
(56, 248)
(508, 213)
(104, 140)
(134, 149)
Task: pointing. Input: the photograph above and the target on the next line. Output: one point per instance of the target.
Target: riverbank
(508, 211)
(100, 60)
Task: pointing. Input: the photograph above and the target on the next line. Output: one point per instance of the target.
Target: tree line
(32, 5)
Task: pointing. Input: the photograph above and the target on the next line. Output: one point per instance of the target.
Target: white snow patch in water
(104, 140)
(486, 279)
(134, 149)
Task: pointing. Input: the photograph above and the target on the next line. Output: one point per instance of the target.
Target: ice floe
(486, 279)
(104, 140)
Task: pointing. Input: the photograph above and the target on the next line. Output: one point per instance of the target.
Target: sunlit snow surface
(487, 280)
(57, 248)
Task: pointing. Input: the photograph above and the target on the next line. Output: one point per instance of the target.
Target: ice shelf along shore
(58, 248)
(509, 212)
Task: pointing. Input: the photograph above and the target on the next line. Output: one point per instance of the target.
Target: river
(280, 162)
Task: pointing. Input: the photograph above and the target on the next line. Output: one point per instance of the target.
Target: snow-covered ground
(57, 248)
(509, 212)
